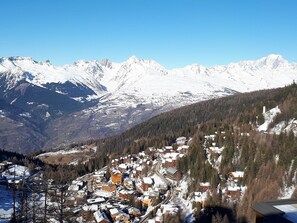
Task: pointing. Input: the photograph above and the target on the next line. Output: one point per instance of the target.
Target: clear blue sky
(174, 33)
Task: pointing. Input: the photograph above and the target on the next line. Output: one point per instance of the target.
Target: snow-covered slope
(150, 82)
(98, 98)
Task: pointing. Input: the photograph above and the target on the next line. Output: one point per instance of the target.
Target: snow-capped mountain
(98, 98)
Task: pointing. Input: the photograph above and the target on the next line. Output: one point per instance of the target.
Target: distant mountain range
(42, 105)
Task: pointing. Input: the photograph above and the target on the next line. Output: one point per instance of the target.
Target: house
(172, 173)
(147, 182)
(129, 184)
(169, 163)
(116, 176)
(168, 149)
(100, 217)
(126, 194)
(181, 141)
(109, 187)
(122, 167)
(98, 180)
(204, 186)
(183, 149)
(233, 192)
(139, 171)
(235, 176)
(97, 200)
(114, 212)
(134, 212)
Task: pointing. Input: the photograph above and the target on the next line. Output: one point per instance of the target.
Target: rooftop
(285, 211)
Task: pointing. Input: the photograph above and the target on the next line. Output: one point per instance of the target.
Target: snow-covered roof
(18, 170)
(204, 184)
(235, 188)
(148, 180)
(139, 168)
(114, 211)
(169, 208)
(73, 187)
(123, 166)
(171, 170)
(99, 216)
(238, 174)
(216, 149)
(93, 207)
(96, 200)
(102, 193)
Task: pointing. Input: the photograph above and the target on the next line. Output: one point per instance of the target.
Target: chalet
(114, 212)
(172, 173)
(181, 141)
(183, 149)
(139, 171)
(100, 217)
(134, 212)
(109, 187)
(233, 192)
(204, 186)
(122, 167)
(168, 149)
(98, 180)
(126, 194)
(116, 176)
(169, 163)
(147, 182)
(129, 184)
(235, 176)
(97, 200)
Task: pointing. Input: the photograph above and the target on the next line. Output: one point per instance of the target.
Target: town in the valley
(143, 187)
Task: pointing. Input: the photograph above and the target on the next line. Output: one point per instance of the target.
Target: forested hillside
(232, 125)
(185, 121)
(267, 159)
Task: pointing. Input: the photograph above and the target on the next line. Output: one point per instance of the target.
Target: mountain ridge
(91, 99)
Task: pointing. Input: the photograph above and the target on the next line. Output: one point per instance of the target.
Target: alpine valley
(42, 105)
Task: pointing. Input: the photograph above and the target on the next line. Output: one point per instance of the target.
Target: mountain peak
(133, 59)
(274, 57)
(273, 61)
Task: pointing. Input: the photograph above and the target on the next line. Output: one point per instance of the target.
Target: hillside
(187, 120)
(91, 99)
(250, 135)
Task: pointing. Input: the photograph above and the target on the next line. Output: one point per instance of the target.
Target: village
(143, 187)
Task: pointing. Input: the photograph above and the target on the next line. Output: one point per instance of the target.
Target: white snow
(138, 81)
(147, 180)
(285, 127)
(268, 117)
(158, 181)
